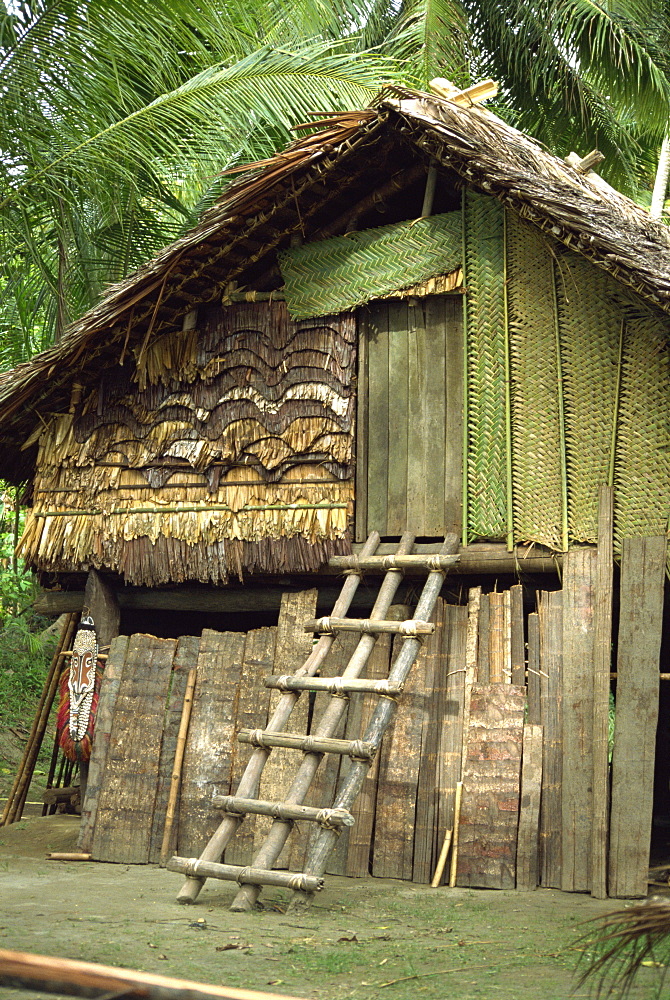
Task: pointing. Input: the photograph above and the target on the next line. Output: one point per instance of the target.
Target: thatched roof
(317, 188)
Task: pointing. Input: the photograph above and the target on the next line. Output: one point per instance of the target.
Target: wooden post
(527, 856)
(551, 655)
(640, 629)
(101, 604)
(578, 601)
(602, 646)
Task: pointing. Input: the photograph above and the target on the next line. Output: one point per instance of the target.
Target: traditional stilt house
(414, 321)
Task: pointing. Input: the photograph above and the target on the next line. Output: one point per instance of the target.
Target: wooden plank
(251, 712)
(551, 688)
(453, 451)
(426, 418)
(109, 689)
(643, 563)
(398, 389)
(378, 416)
(292, 648)
(398, 778)
(432, 723)
(579, 572)
(208, 757)
(359, 848)
(527, 847)
(484, 641)
(128, 790)
(491, 787)
(517, 637)
(186, 656)
(497, 636)
(456, 697)
(362, 428)
(322, 792)
(471, 658)
(533, 687)
(602, 665)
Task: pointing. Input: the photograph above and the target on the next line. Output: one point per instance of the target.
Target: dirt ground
(371, 939)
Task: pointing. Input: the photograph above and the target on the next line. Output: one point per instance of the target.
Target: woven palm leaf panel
(334, 275)
(539, 473)
(591, 327)
(411, 418)
(487, 405)
(642, 469)
(222, 450)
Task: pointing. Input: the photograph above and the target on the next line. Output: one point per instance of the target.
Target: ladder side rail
(381, 717)
(249, 782)
(280, 829)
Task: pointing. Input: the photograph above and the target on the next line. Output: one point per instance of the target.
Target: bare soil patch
(373, 939)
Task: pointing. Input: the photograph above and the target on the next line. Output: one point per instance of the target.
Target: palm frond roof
(307, 190)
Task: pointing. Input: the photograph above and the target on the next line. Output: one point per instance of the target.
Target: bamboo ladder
(320, 742)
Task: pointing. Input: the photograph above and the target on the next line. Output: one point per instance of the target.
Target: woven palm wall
(587, 398)
(223, 450)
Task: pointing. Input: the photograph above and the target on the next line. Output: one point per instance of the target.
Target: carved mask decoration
(82, 677)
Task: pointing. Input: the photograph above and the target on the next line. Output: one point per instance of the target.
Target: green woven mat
(590, 320)
(642, 471)
(486, 339)
(330, 276)
(538, 447)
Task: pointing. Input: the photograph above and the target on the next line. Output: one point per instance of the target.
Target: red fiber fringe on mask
(76, 750)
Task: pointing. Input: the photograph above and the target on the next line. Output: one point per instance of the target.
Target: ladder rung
(333, 685)
(357, 749)
(283, 810)
(329, 625)
(196, 868)
(381, 564)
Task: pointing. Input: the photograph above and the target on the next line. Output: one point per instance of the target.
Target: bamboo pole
(457, 823)
(442, 860)
(175, 781)
(11, 805)
(39, 972)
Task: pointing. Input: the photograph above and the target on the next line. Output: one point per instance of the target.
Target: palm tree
(118, 116)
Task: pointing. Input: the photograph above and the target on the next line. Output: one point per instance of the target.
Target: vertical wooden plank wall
(551, 698)
(103, 727)
(251, 713)
(208, 757)
(490, 804)
(527, 847)
(293, 646)
(602, 665)
(128, 793)
(186, 657)
(640, 627)
(410, 435)
(432, 723)
(579, 570)
(456, 711)
(400, 756)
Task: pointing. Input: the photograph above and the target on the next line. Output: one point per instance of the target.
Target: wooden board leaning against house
(510, 744)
